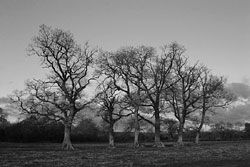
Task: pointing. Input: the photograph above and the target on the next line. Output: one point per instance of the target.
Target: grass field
(226, 154)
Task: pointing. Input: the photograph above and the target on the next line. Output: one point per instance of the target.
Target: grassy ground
(226, 154)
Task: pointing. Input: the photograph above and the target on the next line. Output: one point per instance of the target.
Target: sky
(215, 32)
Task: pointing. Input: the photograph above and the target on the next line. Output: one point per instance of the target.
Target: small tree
(3, 123)
(3, 120)
(171, 126)
(85, 130)
(61, 95)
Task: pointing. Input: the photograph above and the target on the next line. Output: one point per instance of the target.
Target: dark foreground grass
(226, 154)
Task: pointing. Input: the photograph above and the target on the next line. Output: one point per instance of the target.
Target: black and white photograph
(124, 83)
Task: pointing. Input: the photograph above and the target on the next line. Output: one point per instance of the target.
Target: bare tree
(152, 75)
(185, 92)
(61, 95)
(213, 95)
(111, 107)
(143, 76)
(120, 67)
(154, 80)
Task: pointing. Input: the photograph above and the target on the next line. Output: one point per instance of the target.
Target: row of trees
(161, 83)
(136, 81)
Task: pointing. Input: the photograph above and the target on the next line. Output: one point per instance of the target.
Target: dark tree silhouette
(61, 95)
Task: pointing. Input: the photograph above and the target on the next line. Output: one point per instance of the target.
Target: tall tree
(213, 95)
(155, 79)
(61, 94)
(120, 67)
(185, 92)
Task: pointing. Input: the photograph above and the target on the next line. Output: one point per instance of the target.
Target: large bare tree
(61, 94)
(185, 92)
(213, 95)
(121, 67)
(155, 80)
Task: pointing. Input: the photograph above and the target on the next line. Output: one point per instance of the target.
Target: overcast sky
(216, 32)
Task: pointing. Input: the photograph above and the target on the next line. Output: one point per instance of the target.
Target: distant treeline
(35, 129)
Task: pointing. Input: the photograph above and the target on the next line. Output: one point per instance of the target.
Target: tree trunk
(180, 134)
(67, 145)
(158, 142)
(137, 128)
(111, 136)
(197, 137)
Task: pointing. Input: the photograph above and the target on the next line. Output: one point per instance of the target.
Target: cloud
(4, 100)
(240, 89)
(10, 110)
(238, 111)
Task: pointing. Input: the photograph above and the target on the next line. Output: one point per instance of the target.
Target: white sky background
(216, 32)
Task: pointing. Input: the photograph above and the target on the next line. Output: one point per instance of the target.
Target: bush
(85, 131)
(34, 129)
